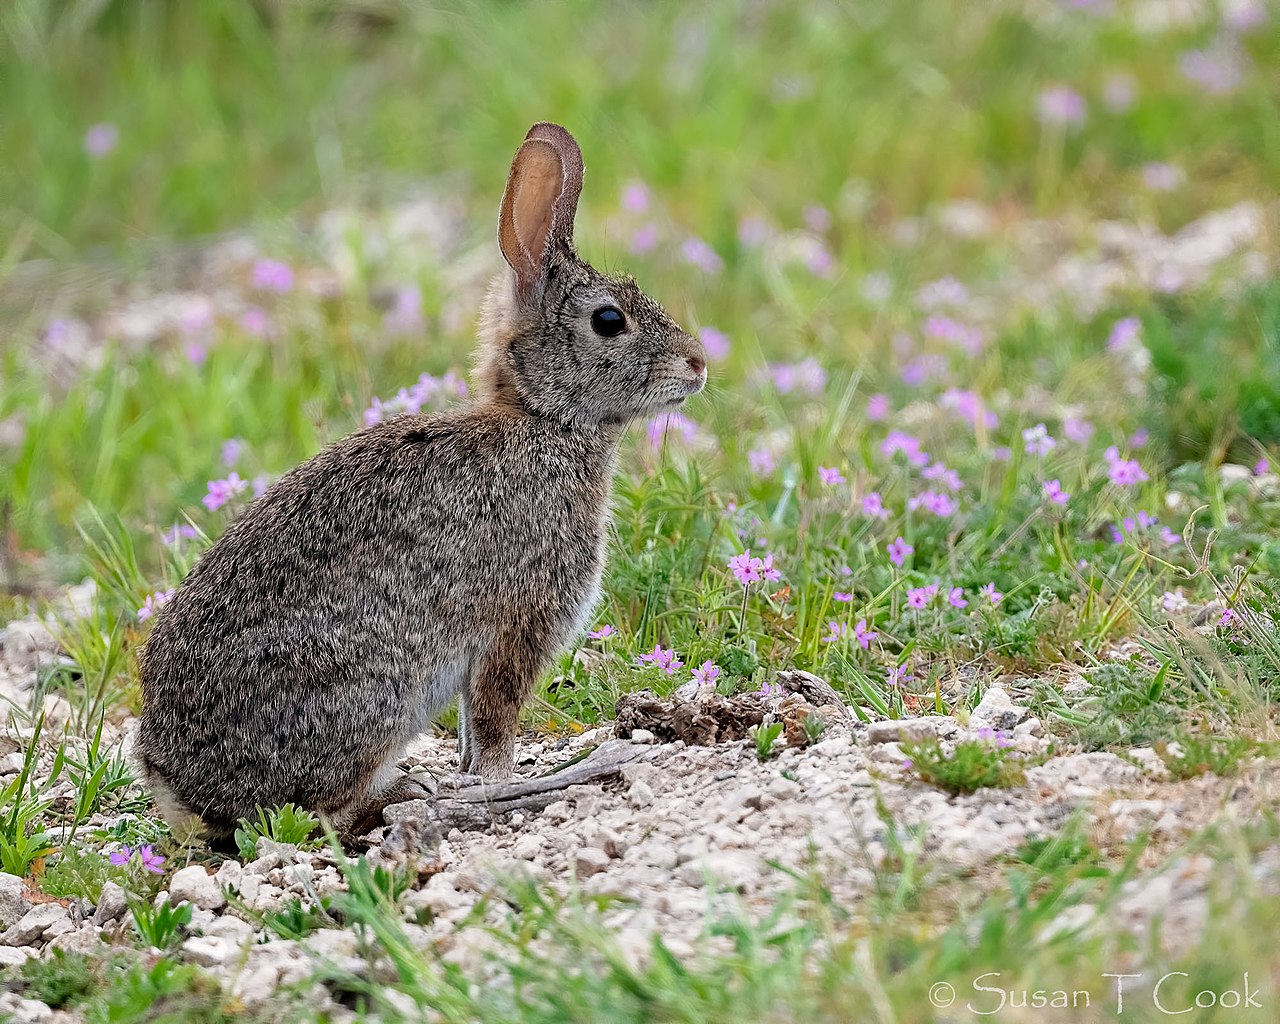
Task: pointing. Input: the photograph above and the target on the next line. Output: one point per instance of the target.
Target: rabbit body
(316, 657)
(419, 559)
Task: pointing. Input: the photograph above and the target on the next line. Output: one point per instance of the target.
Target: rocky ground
(682, 829)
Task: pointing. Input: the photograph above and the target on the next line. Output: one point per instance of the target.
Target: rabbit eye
(608, 322)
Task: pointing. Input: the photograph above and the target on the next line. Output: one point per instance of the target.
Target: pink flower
(830, 475)
(941, 505)
(898, 551)
(644, 238)
(766, 569)
(949, 477)
(1037, 440)
(955, 598)
(873, 506)
(664, 658)
(1059, 104)
(877, 408)
(1229, 617)
(1124, 472)
(222, 491)
(121, 856)
(843, 598)
(272, 276)
(1124, 333)
(635, 197)
(1077, 430)
(835, 631)
(745, 568)
(769, 690)
(761, 461)
(897, 441)
(898, 675)
(921, 597)
(255, 323)
(672, 423)
(178, 532)
(991, 594)
(101, 139)
(1261, 467)
(707, 673)
(1054, 492)
(603, 633)
(698, 253)
(153, 604)
(864, 634)
(151, 860)
(715, 342)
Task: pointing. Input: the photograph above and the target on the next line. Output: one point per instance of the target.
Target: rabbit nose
(697, 364)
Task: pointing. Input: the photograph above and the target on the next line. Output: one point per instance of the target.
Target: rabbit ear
(539, 203)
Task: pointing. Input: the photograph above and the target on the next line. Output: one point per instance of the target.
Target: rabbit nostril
(696, 364)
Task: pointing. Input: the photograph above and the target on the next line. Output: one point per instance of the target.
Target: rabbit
(423, 558)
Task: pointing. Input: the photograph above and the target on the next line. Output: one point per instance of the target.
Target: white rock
(913, 730)
(15, 956)
(210, 950)
(16, 1010)
(13, 901)
(85, 939)
(642, 736)
(194, 885)
(997, 711)
(528, 846)
(37, 922)
(589, 861)
(229, 875)
(640, 795)
(112, 904)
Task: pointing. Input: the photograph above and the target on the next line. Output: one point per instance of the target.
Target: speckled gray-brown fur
(418, 559)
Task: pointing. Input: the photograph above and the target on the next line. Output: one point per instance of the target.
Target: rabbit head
(560, 339)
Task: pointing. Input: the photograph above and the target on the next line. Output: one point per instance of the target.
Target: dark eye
(608, 322)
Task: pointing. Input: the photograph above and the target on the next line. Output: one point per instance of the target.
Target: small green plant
(80, 872)
(159, 924)
(62, 979)
(165, 992)
(815, 726)
(972, 765)
(766, 736)
(287, 824)
(23, 839)
(1188, 755)
(296, 921)
(99, 779)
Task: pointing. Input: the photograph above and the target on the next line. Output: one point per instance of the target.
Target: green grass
(881, 114)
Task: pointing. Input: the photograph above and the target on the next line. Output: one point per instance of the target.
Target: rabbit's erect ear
(538, 206)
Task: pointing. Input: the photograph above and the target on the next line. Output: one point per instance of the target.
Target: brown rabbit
(422, 558)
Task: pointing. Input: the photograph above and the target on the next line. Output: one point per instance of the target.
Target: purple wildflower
(153, 604)
(1124, 332)
(178, 532)
(921, 597)
(897, 675)
(1077, 431)
(835, 631)
(864, 634)
(101, 139)
(991, 594)
(121, 856)
(635, 197)
(644, 238)
(897, 441)
(222, 491)
(955, 598)
(272, 276)
(1054, 492)
(1037, 440)
(753, 231)
(1124, 472)
(1168, 537)
(715, 342)
(745, 568)
(676, 423)
(256, 323)
(405, 315)
(873, 506)
(232, 449)
(698, 253)
(830, 475)
(761, 461)
(946, 291)
(898, 551)
(877, 408)
(1059, 104)
(707, 673)
(949, 477)
(941, 505)
(842, 597)
(603, 633)
(151, 860)
(664, 658)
